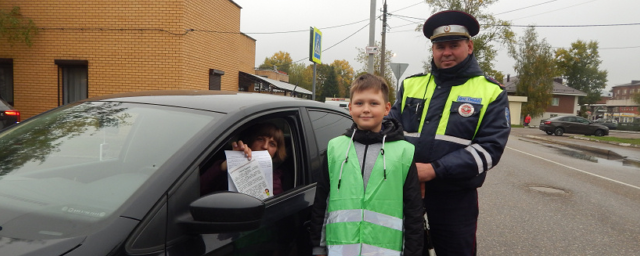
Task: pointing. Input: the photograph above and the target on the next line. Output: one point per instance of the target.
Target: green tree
(580, 66)
(535, 66)
(492, 30)
(344, 74)
(301, 76)
(16, 28)
(282, 61)
(363, 58)
(329, 83)
(636, 97)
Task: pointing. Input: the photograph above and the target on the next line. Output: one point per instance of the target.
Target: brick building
(91, 48)
(564, 101)
(621, 106)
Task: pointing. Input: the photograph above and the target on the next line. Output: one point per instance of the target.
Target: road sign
(398, 69)
(315, 49)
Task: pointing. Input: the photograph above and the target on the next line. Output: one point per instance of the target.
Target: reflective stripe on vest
(354, 250)
(366, 215)
(371, 218)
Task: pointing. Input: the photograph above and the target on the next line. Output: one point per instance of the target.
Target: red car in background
(8, 115)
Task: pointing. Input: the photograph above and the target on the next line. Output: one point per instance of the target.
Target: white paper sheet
(262, 159)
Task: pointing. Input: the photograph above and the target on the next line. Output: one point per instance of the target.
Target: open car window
(283, 173)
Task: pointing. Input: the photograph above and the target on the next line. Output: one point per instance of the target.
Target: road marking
(576, 169)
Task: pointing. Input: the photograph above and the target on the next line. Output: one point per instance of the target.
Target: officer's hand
(425, 172)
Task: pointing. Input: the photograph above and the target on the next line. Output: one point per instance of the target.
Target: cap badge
(465, 110)
(447, 29)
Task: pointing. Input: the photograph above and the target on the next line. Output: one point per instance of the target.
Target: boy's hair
(368, 81)
(268, 130)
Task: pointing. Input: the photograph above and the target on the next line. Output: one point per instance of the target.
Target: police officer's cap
(450, 26)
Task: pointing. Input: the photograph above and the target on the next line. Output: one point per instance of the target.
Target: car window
(74, 167)
(281, 174)
(328, 125)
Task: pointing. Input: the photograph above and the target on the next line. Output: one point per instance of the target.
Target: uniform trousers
(453, 220)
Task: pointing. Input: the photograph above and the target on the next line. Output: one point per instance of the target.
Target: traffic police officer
(458, 119)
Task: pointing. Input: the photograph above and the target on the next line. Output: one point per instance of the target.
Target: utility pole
(384, 36)
(372, 32)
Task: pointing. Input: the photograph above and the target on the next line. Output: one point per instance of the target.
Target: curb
(607, 142)
(596, 150)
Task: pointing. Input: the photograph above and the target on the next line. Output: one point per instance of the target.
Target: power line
(555, 10)
(527, 7)
(337, 42)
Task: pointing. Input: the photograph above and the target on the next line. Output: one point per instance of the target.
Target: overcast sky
(283, 25)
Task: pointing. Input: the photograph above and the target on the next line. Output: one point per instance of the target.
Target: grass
(615, 139)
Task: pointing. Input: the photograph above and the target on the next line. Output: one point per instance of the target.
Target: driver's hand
(239, 146)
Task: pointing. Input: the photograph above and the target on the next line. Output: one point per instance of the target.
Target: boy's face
(368, 108)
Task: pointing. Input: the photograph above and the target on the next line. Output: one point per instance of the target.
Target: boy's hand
(425, 172)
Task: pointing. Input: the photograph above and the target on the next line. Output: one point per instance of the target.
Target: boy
(368, 198)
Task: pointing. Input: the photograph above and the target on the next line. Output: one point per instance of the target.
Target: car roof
(218, 101)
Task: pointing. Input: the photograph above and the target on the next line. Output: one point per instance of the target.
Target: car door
(282, 231)
(570, 124)
(583, 126)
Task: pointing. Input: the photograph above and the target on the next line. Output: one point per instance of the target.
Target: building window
(73, 80)
(215, 79)
(555, 102)
(6, 80)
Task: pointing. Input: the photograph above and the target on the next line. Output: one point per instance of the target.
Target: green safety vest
(366, 222)
(475, 92)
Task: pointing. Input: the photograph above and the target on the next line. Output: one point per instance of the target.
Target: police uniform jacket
(466, 125)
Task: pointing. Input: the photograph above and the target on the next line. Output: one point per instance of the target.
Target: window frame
(64, 68)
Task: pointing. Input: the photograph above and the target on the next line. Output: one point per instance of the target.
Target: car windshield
(67, 170)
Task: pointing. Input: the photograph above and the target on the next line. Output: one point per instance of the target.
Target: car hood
(22, 247)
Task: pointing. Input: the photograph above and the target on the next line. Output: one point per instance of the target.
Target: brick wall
(566, 105)
(129, 46)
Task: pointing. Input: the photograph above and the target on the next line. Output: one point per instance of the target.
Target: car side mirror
(224, 212)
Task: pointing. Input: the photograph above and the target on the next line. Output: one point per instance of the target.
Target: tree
(492, 30)
(344, 74)
(580, 66)
(329, 83)
(535, 66)
(363, 58)
(16, 28)
(282, 61)
(301, 76)
(636, 97)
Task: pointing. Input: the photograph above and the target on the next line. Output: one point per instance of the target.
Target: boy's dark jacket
(413, 209)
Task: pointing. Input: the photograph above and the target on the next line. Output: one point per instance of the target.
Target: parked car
(608, 123)
(572, 124)
(8, 115)
(119, 175)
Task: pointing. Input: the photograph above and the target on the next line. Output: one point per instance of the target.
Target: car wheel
(599, 133)
(548, 132)
(558, 131)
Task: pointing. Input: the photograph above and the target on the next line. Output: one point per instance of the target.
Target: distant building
(563, 103)
(621, 106)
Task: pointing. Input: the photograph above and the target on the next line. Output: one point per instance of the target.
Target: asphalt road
(540, 200)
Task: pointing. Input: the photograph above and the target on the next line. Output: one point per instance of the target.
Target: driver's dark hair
(266, 129)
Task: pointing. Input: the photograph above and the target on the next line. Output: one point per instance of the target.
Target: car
(572, 124)
(613, 125)
(8, 115)
(119, 175)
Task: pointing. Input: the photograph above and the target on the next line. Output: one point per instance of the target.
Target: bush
(629, 126)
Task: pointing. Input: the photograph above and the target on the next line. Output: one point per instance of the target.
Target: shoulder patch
(492, 80)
